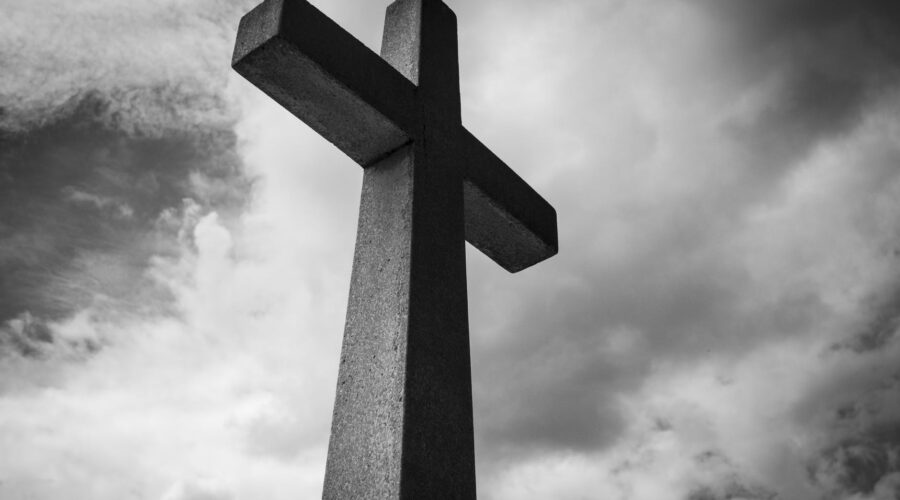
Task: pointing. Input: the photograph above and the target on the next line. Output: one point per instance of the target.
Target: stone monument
(402, 423)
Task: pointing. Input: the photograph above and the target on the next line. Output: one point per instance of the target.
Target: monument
(402, 423)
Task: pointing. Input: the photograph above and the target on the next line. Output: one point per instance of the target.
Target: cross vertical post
(409, 375)
(402, 423)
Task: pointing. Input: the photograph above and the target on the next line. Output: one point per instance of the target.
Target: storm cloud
(100, 153)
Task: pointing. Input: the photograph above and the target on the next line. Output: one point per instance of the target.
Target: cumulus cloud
(210, 391)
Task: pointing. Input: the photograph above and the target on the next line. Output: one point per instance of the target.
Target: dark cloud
(815, 69)
(82, 201)
(881, 321)
(857, 465)
(588, 344)
(25, 336)
(824, 61)
(731, 491)
(110, 119)
(855, 417)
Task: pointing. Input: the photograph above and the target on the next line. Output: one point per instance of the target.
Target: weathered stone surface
(366, 107)
(365, 450)
(327, 78)
(402, 424)
(505, 218)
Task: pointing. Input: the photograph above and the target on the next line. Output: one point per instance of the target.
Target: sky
(720, 323)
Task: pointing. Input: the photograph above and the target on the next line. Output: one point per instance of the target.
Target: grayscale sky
(721, 321)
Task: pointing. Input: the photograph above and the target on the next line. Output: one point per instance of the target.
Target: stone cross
(402, 423)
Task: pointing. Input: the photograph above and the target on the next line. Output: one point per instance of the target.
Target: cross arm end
(505, 218)
(326, 77)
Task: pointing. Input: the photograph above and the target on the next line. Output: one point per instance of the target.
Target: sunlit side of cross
(402, 424)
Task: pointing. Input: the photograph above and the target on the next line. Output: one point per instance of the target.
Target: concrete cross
(402, 423)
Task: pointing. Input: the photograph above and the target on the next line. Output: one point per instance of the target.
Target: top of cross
(369, 107)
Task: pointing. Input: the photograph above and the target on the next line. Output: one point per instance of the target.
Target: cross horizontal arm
(505, 218)
(327, 78)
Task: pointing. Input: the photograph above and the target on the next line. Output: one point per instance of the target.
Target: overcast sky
(720, 323)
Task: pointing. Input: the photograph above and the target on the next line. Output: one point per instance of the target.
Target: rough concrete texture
(327, 78)
(402, 424)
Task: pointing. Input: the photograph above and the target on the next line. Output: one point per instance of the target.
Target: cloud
(197, 491)
(109, 117)
(151, 66)
(727, 199)
(82, 211)
(210, 391)
(822, 63)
